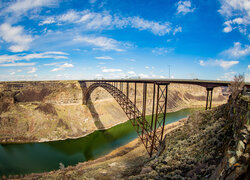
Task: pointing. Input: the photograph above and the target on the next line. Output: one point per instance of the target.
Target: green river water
(47, 156)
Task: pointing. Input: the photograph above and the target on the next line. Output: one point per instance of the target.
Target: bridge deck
(204, 83)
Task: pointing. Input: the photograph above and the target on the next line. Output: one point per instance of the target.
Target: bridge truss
(151, 130)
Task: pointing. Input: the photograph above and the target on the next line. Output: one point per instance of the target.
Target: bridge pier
(209, 98)
(159, 117)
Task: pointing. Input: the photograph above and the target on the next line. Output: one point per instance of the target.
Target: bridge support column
(209, 98)
(144, 106)
(160, 116)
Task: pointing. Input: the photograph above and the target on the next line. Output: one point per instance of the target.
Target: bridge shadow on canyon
(99, 125)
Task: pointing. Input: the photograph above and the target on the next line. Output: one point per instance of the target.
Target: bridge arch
(141, 125)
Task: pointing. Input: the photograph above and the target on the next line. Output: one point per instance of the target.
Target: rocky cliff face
(212, 144)
(51, 110)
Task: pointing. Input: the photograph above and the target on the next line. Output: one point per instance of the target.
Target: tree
(237, 86)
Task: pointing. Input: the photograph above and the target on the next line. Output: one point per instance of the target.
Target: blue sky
(93, 39)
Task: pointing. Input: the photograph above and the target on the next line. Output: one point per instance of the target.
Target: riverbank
(114, 165)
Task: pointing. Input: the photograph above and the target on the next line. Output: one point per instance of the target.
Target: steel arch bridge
(151, 130)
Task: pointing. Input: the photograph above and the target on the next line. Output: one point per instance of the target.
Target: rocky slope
(212, 144)
(52, 110)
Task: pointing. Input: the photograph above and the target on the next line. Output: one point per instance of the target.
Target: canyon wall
(52, 110)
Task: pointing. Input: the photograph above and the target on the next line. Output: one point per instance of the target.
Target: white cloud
(155, 27)
(228, 7)
(248, 66)
(12, 73)
(237, 51)
(53, 64)
(146, 67)
(143, 75)
(15, 36)
(103, 20)
(98, 21)
(176, 30)
(104, 57)
(102, 43)
(17, 64)
(228, 27)
(33, 70)
(131, 73)
(45, 55)
(8, 58)
(111, 70)
(237, 15)
(49, 20)
(162, 51)
(63, 66)
(70, 16)
(221, 63)
(25, 5)
(184, 7)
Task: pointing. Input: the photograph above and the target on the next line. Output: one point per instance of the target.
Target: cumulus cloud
(104, 57)
(237, 51)
(221, 63)
(111, 70)
(184, 7)
(100, 43)
(237, 15)
(62, 67)
(16, 36)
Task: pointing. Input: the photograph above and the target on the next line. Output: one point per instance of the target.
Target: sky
(113, 39)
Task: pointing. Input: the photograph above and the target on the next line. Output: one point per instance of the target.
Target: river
(40, 157)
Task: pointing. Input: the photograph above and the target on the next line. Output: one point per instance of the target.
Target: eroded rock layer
(52, 110)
